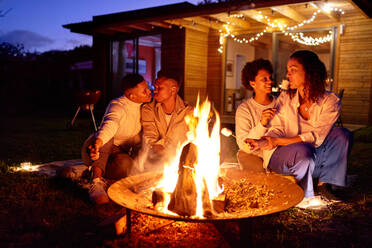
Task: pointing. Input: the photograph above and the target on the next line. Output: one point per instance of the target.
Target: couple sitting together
(295, 134)
(116, 145)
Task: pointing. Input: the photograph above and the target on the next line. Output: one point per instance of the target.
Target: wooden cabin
(206, 46)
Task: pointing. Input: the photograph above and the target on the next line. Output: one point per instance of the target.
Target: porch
(206, 46)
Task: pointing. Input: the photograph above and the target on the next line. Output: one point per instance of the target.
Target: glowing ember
(207, 164)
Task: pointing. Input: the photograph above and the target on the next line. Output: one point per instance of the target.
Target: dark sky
(37, 24)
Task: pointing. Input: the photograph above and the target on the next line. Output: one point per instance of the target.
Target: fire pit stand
(135, 192)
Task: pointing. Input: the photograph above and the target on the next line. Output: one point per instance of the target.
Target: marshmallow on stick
(227, 132)
(284, 85)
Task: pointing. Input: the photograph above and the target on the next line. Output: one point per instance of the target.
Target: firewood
(219, 203)
(157, 197)
(207, 208)
(189, 156)
(183, 199)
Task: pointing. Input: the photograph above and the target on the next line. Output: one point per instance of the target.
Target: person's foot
(325, 191)
(97, 191)
(315, 203)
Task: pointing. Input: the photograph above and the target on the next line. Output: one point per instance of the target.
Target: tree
(9, 51)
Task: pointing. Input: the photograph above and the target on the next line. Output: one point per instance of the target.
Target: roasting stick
(227, 132)
(261, 143)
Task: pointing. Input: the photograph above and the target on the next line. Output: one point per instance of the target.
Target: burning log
(157, 198)
(219, 203)
(207, 208)
(183, 198)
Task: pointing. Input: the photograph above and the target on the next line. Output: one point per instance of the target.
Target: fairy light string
(285, 29)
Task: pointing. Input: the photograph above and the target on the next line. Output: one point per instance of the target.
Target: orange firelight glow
(208, 162)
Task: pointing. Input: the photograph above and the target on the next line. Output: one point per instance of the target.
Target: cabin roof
(212, 16)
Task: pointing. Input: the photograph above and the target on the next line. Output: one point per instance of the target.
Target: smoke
(147, 160)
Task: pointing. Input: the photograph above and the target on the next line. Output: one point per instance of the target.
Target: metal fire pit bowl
(135, 193)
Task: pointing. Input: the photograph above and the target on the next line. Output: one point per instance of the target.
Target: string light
(287, 30)
(329, 9)
(238, 16)
(308, 40)
(304, 22)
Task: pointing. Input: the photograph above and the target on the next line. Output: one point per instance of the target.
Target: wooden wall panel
(196, 55)
(355, 69)
(214, 71)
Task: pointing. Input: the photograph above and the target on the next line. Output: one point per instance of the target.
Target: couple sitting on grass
(115, 146)
(295, 134)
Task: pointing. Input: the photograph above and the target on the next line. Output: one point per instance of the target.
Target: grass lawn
(38, 211)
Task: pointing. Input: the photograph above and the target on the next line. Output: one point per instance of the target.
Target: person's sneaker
(314, 203)
(97, 191)
(325, 191)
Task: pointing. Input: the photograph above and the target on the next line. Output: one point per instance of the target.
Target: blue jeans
(328, 162)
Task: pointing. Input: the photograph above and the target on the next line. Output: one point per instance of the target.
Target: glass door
(139, 55)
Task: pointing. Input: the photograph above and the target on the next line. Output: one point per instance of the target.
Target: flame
(169, 180)
(208, 162)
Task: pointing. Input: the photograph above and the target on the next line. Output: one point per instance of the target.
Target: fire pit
(193, 186)
(135, 193)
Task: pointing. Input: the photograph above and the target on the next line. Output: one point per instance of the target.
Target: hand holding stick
(94, 149)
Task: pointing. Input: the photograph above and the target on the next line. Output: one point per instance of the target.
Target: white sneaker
(97, 191)
(315, 203)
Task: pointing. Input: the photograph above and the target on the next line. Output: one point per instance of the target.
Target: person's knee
(341, 135)
(119, 166)
(302, 151)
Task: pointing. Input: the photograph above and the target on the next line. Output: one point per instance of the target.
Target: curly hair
(315, 73)
(251, 69)
(130, 81)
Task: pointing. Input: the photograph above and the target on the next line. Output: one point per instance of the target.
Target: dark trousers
(115, 161)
